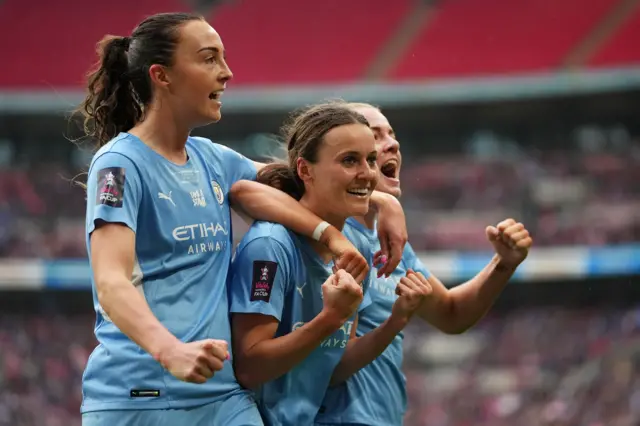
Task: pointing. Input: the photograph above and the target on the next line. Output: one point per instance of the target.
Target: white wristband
(317, 233)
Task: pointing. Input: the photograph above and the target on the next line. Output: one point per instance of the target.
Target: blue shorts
(237, 410)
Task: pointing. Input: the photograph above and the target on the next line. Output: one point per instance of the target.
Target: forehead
(350, 137)
(195, 35)
(374, 117)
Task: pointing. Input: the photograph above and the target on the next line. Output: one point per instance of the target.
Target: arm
(392, 230)
(113, 196)
(263, 202)
(361, 351)
(261, 277)
(455, 311)
(260, 357)
(112, 259)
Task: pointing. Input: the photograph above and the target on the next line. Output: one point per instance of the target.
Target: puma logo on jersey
(299, 289)
(166, 197)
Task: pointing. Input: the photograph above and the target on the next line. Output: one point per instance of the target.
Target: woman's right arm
(114, 193)
(112, 260)
(261, 357)
(261, 278)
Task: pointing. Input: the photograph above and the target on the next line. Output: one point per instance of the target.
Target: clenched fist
(511, 241)
(345, 255)
(412, 290)
(195, 362)
(341, 295)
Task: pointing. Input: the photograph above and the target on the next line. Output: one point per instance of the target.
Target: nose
(390, 145)
(369, 172)
(225, 73)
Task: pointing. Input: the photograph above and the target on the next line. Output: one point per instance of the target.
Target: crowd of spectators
(530, 367)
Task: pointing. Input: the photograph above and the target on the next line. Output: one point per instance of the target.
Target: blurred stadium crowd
(530, 367)
(584, 194)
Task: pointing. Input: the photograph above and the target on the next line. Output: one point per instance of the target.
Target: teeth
(362, 191)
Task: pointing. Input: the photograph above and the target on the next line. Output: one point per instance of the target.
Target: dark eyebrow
(211, 48)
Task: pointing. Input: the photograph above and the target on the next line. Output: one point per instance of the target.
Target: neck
(338, 221)
(321, 210)
(162, 133)
(368, 220)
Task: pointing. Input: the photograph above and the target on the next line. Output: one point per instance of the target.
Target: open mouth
(390, 169)
(359, 192)
(215, 96)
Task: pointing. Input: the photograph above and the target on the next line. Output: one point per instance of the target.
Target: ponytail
(111, 105)
(282, 177)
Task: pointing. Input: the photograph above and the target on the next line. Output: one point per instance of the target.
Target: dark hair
(303, 136)
(120, 88)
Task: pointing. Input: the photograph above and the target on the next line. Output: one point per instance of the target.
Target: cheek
(376, 179)
(196, 81)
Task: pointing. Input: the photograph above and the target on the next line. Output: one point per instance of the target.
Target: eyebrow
(357, 153)
(210, 48)
(379, 129)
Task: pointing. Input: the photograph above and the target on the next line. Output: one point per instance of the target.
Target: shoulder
(207, 145)
(268, 233)
(268, 241)
(118, 152)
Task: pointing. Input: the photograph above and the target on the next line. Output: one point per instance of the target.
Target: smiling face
(388, 149)
(198, 75)
(344, 175)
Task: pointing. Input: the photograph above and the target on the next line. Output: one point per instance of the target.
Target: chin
(358, 209)
(215, 117)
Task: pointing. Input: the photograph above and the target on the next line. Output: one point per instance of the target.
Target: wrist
(330, 320)
(330, 235)
(504, 266)
(397, 321)
(162, 349)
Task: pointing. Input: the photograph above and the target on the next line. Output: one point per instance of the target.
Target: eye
(372, 160)
(349, 160)
(210, 60)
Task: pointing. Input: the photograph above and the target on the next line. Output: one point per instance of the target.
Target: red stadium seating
(290, 41)
(623, 47)
(474, 37)
(52, 44)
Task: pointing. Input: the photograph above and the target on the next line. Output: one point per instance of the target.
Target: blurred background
(504, 108)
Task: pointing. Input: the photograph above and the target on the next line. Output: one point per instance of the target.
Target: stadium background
(523, 108)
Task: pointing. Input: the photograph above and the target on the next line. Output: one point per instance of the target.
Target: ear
(159, 75)
(305, 170)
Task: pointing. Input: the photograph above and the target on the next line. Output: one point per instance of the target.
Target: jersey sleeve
(259, 278)
(237, 166)
(411, 261)
(114, 191)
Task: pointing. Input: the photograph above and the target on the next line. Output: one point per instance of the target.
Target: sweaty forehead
(196, 35)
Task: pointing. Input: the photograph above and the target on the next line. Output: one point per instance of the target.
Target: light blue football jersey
(183, 244)
(375, 395)
(277, 273)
